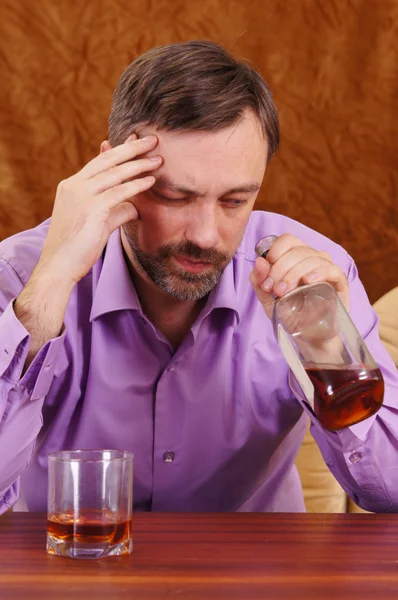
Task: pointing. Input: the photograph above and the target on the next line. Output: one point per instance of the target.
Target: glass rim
(80, 455)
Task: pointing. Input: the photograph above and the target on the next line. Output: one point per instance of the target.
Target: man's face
(194, 217)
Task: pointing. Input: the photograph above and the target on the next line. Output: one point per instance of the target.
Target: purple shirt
(214, 426)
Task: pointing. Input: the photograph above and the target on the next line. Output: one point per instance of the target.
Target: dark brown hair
(194, 85)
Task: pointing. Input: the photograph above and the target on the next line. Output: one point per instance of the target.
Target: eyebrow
(248, 188)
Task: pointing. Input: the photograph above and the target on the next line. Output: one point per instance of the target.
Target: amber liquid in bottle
(91, 527)
(344, 397)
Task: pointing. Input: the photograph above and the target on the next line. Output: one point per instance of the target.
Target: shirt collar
(114, 289)
(224, 295)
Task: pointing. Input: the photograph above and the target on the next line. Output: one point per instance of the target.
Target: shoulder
(21, 251)
(262, 223)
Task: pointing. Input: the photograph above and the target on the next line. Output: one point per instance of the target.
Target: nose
(202, 228)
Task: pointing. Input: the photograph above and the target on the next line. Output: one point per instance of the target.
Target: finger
(334, 275)
(294, 276)
(125, 191)
(288, 261)
(296, 254)
(330, 273)
(117, 175)
(256, 278)
(261, 270)
(122, 214)
(118, 155)
(282, 245)
(106, 145)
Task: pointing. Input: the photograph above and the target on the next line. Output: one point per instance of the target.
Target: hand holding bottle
(290, 263)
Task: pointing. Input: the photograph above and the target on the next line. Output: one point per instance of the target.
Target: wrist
(47, 287)
(52, 274)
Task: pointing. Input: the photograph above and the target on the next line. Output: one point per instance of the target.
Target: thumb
(260, 272)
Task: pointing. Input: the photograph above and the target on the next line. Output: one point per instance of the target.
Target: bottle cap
(263, 246)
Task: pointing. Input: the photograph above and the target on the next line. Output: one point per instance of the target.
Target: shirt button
(168, 456)
(172, 368)
(355, 457)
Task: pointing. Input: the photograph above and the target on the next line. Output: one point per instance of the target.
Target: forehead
(230, 156)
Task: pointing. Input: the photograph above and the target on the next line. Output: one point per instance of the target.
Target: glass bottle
(325, 352)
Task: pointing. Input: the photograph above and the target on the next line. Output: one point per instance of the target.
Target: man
(129, 320)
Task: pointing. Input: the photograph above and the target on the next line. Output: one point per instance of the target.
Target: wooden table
(209, 556)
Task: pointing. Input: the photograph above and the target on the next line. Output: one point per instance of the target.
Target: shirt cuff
(13, 353)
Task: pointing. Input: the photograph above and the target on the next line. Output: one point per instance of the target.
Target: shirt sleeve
(364, 457)
(21, 394)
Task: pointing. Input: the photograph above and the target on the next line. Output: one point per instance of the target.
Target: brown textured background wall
(332, 65)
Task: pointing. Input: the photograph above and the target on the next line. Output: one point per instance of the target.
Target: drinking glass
(90, 500)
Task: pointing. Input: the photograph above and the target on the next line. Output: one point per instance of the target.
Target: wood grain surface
(331, 64)
(205, 556)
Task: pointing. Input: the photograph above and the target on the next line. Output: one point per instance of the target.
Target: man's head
(217, 128)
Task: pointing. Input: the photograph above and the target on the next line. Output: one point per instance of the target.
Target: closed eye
(227, 202)
(233, 203)
(167, 198)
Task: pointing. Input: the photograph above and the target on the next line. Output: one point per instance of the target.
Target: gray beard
(180, 284)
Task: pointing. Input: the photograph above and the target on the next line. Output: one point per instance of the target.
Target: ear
(105, 146)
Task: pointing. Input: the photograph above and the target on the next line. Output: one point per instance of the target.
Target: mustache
(191, 250)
